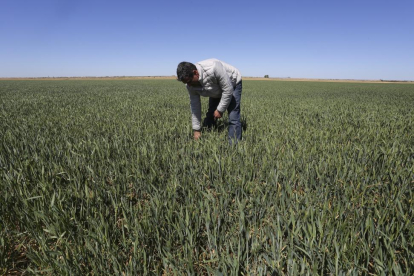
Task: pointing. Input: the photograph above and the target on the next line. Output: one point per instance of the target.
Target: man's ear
(195, 72)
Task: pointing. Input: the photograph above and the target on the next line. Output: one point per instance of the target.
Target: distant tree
(266, 76)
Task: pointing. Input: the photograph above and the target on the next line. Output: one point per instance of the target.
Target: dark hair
(185, 70)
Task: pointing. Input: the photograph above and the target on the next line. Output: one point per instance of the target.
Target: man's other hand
(217, 114)
(197, 135)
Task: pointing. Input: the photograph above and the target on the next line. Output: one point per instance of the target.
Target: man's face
(192, 81)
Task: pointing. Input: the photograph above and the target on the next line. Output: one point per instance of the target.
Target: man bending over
(222, 83)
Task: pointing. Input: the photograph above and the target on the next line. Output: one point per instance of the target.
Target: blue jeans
(235, 127)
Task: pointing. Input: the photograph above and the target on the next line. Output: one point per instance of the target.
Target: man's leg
(212, 106)
(235, 127)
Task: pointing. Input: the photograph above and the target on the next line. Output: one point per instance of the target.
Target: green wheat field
(102, 177)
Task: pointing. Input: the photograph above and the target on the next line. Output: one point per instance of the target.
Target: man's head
(187, 73)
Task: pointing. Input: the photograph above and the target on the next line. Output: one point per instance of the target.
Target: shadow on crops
(14, 259)
(223, 125)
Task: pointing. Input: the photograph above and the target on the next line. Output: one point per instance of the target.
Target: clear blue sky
(344, 39)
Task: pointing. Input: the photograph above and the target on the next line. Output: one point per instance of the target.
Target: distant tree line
(394, 80)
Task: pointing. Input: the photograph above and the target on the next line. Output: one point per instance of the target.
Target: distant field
(102, 177)
(245, 78)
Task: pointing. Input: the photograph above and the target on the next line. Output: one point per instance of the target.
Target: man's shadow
(222, 125)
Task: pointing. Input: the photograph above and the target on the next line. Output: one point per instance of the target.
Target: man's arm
(195, 103)
(225, 85)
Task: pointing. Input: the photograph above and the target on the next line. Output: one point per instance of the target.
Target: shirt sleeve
(195, 104)
(225, 85)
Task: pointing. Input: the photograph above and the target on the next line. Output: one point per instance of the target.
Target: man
(222, 83)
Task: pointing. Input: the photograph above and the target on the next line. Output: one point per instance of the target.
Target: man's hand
(197, 134)
(217, 114)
